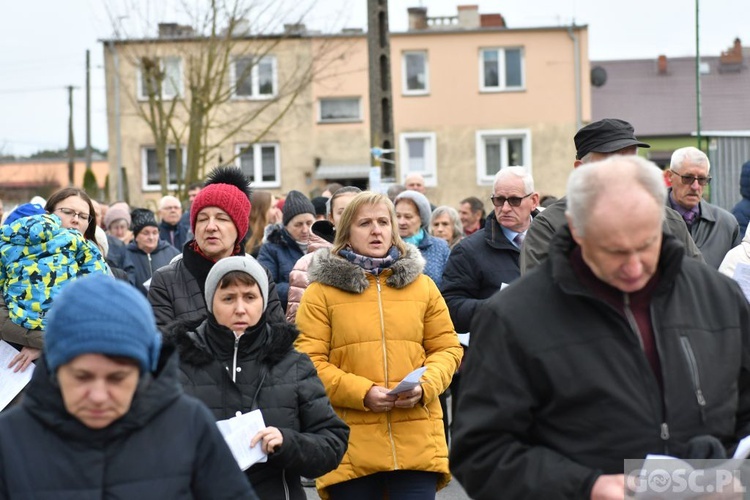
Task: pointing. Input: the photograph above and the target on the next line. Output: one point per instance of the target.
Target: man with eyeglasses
(714, 230)
(171, 228)
(616, 347)
(482, 263)
(595, 142)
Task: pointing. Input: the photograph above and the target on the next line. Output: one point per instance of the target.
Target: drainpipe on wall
(577, 69)
(118, 136)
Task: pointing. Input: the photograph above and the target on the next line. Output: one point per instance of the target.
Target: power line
(29, 90)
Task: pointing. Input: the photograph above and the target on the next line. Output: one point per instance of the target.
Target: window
(498, 149)
(151, 177)
(416, 73)
(260, 162)
(346, 109)
(418, 153)
(501, 69)
(254, 78)
(168, 74)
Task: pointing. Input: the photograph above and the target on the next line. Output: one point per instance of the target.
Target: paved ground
(451, 492)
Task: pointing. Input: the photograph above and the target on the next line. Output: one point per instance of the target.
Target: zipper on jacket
(693, 365)
(150, 267)
(385, 366)
(631, 320)
(234, 358)
(663, 427)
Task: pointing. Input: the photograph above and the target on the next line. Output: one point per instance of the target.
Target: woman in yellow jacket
(368, 318)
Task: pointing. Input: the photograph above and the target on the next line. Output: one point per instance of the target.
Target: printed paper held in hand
(238, 432)
(13, 382)
(409, 382)
(707, 479)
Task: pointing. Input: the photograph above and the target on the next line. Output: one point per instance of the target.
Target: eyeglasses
(688, 180)
(83, 216)
(513, 201)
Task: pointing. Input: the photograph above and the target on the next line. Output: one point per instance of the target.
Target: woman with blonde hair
(369, 318)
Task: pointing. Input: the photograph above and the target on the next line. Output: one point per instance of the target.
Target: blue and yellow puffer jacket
(37, 258)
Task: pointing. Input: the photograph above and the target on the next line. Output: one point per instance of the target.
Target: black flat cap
(606, 136)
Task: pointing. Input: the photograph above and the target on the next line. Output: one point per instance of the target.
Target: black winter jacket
(557, 389)
(272, 376)
(477, 267)
(166, 447)
(177, 291)
(147, 264)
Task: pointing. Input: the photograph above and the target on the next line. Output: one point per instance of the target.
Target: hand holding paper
(238, 432)
(409, 382)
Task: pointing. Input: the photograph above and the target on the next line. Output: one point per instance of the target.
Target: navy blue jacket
(167, 446)
(145, 264)
(741, 210)
(118, 257)
(175, 235)
(477, 267)
(279, 254)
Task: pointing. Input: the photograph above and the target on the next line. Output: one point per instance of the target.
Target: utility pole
(88, 111)
(697, 74)
(71, 143)
(381, 100)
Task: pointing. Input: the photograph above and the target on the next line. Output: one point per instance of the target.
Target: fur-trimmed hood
(190, 339)
(330, 269)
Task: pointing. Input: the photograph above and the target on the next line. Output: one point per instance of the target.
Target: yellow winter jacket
(362, 330)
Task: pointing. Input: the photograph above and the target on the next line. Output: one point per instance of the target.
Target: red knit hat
(228, 189)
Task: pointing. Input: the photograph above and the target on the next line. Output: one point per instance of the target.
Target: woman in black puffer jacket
(236, 361)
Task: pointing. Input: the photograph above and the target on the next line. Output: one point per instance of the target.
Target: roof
(665, 104)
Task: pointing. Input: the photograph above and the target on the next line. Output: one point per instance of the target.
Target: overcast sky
(44, 44)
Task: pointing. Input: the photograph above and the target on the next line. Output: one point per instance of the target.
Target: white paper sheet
(238, 432)
(11, 383)
(409, 382)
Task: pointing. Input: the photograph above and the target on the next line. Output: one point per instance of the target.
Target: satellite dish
(598, 76)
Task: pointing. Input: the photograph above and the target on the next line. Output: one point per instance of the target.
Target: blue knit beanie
(98, 314)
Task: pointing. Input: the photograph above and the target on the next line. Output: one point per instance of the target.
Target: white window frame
(525, 134)
(430, 171)
(255, 79)
(405, 84)
(502, 78)
(257, 178)
(144, 168)
(358, 118)
(180, 87)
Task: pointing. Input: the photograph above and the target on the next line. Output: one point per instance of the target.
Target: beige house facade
(467, 100)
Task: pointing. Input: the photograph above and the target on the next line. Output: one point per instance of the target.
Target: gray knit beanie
(422, 203)
(244, 263)
(296, 203)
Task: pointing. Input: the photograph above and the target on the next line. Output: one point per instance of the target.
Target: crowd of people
(388, 343)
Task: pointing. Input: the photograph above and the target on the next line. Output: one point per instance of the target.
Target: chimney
(733, 55)
(468, 16)
(295, 29)
(174, 30)
(661, 64)
(417, 18)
